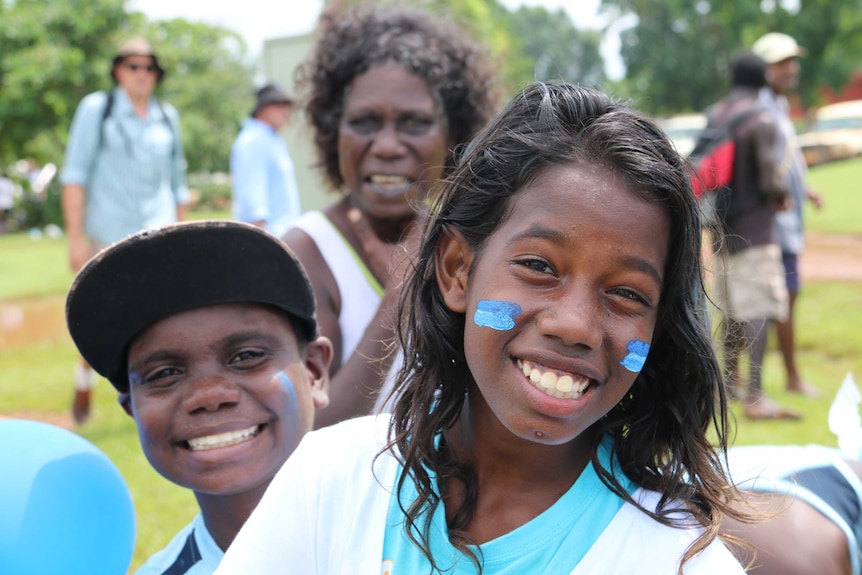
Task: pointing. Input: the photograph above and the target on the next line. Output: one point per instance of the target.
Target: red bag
(714, 154)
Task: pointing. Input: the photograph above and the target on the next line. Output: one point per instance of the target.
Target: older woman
(391, 92)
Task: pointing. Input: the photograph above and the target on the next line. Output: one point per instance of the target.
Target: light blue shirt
(264, 183)
(192, 551)
(788, 223)
(133, 169)
(553, 542)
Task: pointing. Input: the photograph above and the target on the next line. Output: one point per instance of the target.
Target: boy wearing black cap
(208, 331)
(265, 192)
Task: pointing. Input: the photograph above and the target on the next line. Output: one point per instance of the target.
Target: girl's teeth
(563, 386)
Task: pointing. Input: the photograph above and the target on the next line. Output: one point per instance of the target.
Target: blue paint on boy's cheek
(499, 315)
(134, 378)
(636, 357)
(290, 391)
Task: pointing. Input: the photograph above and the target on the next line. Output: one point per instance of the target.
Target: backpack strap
(106, 113)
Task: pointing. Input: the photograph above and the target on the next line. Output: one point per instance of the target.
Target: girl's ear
(454, 258)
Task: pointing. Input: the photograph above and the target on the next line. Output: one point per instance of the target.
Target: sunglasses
(136, 67)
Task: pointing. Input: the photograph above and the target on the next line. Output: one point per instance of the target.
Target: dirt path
(832, 257)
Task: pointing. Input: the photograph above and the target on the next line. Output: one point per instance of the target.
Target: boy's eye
(161, 375)
(246, 356)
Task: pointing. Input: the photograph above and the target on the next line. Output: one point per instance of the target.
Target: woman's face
(392, 141)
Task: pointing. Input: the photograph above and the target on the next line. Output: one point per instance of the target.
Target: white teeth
(222, 439)
(563, 386)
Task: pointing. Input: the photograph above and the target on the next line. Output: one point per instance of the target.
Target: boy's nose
(210, 392)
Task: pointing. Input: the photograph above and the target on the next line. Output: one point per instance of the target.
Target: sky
(258, 20)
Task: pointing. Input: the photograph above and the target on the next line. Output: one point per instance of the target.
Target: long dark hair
(661, 428)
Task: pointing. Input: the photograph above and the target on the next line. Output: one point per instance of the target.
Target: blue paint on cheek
(134, 378)
(290, 390)
(636, 357)
(499, 315)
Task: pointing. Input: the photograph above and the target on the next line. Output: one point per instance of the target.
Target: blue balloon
(64, 506)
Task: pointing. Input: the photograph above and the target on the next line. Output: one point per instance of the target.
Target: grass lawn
(838, 183)
(36, 373)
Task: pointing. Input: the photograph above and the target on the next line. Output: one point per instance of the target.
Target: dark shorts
(791, 271)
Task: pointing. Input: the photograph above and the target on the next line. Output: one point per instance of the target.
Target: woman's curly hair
(455, 67)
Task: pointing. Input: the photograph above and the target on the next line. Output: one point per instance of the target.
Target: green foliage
(54, 53)
(677, 52)
(209, 82)
(51, 55)
(561, 51)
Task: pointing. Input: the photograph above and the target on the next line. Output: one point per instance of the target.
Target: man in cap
(124, 169)
(265, 192)
(781, 54)
(210, 337)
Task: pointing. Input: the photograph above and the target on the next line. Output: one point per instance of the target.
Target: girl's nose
(575, 318)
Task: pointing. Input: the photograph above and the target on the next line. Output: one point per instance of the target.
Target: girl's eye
(631, 295)
(537, 265)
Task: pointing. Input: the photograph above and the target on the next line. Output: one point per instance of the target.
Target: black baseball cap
(271, 94)
(154, 274)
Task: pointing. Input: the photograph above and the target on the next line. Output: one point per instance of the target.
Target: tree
(560, 51)
(677, 53)
(208, 82)
(54, 53)
(51, 55)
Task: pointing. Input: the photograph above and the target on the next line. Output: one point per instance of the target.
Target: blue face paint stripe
(290, 390)
(499, 315)
(636, 357)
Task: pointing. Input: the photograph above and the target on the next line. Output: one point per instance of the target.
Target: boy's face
(222, 395)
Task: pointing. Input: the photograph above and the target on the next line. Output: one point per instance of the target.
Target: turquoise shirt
(553, 542)
(133, 169)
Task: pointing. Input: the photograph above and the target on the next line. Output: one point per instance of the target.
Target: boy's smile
(222, 395)
(580, 258)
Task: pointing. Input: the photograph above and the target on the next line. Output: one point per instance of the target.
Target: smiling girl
(559, 385)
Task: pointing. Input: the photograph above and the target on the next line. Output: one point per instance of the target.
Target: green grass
(838, 183)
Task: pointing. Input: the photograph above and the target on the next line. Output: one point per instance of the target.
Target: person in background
(391, 92)
(210, 339)
(265, 192)
(781, 54)
(749, 279)
(124, 170)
